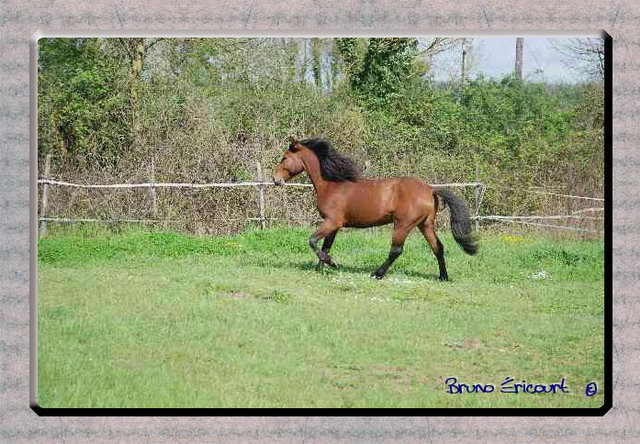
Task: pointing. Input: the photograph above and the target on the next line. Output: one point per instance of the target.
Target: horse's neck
(312, 166)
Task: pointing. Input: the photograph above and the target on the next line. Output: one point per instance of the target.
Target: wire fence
(532, 220)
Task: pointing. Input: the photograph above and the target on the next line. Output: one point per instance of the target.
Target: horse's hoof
(324, 257)
(444, 278)
(377, 276)
(320, 266)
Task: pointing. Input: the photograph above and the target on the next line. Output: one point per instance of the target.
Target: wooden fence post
(263, 219)
(45, 196)
(478, 189)
(152, 192)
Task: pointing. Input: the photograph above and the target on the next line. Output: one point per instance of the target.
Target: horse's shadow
(357, 269)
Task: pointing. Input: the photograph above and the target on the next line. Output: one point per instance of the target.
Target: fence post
(478, 189)
(263, 220)
(152, 192)
(45, 196)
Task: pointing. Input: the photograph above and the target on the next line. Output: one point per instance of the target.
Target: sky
(495, 57)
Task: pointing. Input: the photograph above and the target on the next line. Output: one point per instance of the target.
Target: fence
(261, 185)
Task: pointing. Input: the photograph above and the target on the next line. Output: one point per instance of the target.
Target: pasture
(158, 319)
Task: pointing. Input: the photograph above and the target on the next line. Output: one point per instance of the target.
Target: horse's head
(291, 164)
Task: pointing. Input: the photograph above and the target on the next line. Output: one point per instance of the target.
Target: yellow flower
(513, 239)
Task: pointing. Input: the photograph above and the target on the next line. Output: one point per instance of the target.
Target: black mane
(334, 166)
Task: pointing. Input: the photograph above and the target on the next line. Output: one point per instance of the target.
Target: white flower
(542, 274)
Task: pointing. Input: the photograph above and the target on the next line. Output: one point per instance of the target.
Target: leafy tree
(82, 109)
(378, 68)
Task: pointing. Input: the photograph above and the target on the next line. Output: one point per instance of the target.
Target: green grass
(157, 319)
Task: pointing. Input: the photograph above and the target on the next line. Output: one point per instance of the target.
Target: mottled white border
(19, 21)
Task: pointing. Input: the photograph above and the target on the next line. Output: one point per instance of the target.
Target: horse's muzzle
(278, 181)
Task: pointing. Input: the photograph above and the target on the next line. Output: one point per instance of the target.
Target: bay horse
(346, 200)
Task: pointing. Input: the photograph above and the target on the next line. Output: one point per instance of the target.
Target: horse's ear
(293, 144)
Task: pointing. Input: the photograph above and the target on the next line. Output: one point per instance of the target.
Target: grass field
(158, 319)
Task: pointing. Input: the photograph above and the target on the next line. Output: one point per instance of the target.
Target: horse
(345, 199)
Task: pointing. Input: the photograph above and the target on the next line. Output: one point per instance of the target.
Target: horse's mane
(334, 166)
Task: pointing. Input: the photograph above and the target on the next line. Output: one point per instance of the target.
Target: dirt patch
(127, 363)
(234, 294)
(466, 345)
(392, 377)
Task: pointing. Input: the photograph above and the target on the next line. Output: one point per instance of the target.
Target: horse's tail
(460, 221)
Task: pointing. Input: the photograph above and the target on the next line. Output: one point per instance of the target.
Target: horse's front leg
(326, 246)
(328, 229)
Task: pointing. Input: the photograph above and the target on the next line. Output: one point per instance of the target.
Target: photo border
(338, 411)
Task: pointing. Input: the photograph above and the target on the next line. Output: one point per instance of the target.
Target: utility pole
(466, 52)
(466, 48)
(464, 56)
(519, 42)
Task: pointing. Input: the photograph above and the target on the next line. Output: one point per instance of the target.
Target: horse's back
(414, 184)
(381, 201)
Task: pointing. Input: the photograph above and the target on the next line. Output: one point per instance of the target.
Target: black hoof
(324, 257)
(321, 263)
(443, 278)
(377, 275)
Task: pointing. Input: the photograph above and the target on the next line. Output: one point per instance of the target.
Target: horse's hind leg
(400, 233)
(429, 232)
(326, 246)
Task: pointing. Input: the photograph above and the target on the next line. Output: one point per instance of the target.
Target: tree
(378, 67)
(436, 45)
(584, 55)
(82, 108)
(137, 50)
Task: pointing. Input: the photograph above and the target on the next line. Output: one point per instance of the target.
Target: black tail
(460, 221)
